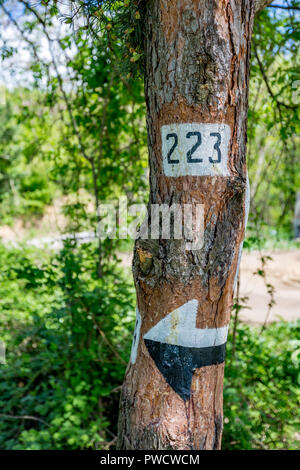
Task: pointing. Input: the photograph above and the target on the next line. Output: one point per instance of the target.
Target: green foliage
(273, 149)
(67, 336)
(25, 155)
(111, 110)
(118, 21)
(264, 237)
(78, 133)
(261, 388)
(56, 143)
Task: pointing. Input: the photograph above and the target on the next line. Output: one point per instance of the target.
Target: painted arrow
(178, 348)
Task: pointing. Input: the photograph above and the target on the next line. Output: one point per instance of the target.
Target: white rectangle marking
(195, 149)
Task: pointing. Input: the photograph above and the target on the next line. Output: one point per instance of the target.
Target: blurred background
(72, 135)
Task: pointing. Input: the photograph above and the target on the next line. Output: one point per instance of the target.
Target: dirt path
(282, 272)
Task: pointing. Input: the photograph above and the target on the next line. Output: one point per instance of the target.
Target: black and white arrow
(178, 348)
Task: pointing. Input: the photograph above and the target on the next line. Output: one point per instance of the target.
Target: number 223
(190, 153)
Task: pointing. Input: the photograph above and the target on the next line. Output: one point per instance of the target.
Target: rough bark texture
(197, 71)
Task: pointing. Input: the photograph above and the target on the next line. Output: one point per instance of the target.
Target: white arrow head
(179, 328)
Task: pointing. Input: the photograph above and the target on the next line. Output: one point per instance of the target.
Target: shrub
(68, 336)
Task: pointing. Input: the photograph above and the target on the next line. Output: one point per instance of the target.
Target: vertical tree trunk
(197, 72)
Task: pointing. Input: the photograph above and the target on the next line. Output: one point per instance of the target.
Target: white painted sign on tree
(179, 328)
(195, 149)
(136, 337)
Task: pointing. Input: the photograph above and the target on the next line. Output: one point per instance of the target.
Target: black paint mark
(175, 137)
(178, 363)
(218, 431)
(135, 328)
(194, 148)
(216, 147)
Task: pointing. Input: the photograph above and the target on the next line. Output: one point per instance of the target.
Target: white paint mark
(195, 149)
(136, 337)
(247, 209)
(247, 201)
(179, 328)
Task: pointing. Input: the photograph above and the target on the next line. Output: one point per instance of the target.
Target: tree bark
(197, 71)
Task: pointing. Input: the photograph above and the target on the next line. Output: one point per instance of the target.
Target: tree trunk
(197, 72)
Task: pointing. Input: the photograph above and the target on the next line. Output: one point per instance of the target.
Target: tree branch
(33, 418)
(261, 4)
(270, 91)
(59, 78)
(285, 7)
